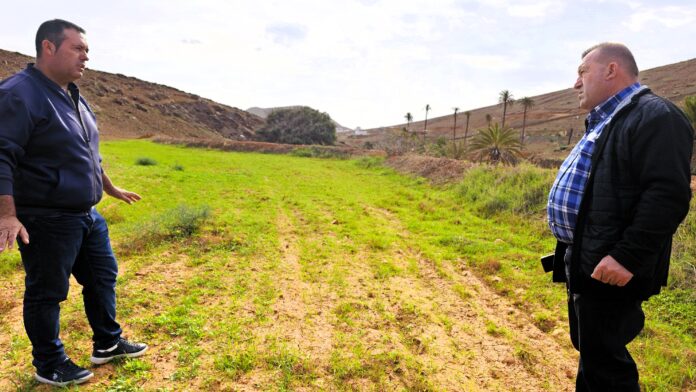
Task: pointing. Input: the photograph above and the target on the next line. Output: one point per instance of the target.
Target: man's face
(591, 83)
(70, 59)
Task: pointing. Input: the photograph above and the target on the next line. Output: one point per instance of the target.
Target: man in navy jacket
(616, 202)
(50, 179)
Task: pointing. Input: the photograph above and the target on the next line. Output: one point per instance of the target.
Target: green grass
(298, 272)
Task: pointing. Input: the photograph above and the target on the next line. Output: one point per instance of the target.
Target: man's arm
(660, 154)
(10, 227)
(121, 194)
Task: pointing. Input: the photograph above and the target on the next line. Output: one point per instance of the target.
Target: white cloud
(491, 63)
(668, 16)
(365, 62)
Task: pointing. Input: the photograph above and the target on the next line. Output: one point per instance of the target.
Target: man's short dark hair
(54, 31)
(615, 51)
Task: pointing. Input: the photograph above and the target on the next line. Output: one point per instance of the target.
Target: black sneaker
(64, 374)
(121, 349)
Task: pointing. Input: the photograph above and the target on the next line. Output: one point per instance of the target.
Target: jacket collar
(35, 72)
(601, 140)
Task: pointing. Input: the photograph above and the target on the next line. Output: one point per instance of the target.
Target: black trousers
(600, 329)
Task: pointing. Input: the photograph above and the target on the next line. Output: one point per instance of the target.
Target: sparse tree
(496, 145)
(454, 127)
(466, 129)
(409, 118)
(506, 99)
(527, 103)
(425, 125)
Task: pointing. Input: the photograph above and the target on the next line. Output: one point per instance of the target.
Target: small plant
(237, 363)
(177, 167)
(180, 222)
(145, 161)
(370, 162)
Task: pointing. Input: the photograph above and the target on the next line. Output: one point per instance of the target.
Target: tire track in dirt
(495, 361)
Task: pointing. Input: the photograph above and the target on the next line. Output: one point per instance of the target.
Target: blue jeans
(60, 245)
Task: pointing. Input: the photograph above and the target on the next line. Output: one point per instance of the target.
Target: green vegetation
(690, 109)
(298, 125)
(279, 272)
(496, 144)
(145, 161)
(318, 152)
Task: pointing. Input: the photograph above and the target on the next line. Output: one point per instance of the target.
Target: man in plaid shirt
(616, 202)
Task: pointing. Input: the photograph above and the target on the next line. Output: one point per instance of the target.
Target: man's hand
(611, 272)
(114, 191)
(10, 228)
(122, 194)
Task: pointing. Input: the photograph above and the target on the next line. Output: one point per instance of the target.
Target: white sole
(101, 361)
(63, 384)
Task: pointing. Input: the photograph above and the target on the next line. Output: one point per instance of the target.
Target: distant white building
(359, 132)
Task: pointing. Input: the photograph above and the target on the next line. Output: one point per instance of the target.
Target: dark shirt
(49, 145)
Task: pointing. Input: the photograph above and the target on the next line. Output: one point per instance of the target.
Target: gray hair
(615, 51)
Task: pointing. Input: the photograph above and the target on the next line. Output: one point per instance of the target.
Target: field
(246, 271)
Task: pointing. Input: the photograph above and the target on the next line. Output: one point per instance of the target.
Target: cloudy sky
(365, 62)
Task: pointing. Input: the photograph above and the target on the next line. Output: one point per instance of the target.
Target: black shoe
(121, 349)
(64, 374)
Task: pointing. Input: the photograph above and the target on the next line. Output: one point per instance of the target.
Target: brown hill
(554, 114)
(131, 108)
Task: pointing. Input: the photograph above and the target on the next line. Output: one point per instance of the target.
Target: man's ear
(612, 69)
(47, 47)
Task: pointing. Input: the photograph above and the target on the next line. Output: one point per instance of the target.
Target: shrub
(298, 125)
(145, 161)
(493, 190)
(177, 223)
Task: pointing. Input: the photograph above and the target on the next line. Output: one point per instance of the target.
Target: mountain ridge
(128, 107)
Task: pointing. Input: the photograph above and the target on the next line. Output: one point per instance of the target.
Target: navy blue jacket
(49, 146)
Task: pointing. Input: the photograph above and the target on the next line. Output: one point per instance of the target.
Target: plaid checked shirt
(566, 192)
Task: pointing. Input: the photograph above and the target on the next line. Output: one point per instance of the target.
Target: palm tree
(526, 104)
(409, 118)
(425, 125)
(466, 129)
(454, 127)
(496, 144)
(489, 118)
(506, 99)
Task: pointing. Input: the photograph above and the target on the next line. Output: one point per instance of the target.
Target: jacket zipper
(87, 140)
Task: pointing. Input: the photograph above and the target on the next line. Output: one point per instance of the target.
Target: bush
(493, 190)
(145, 161)
(177, 223)
(299, 125)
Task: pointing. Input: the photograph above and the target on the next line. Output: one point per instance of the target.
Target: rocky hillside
(553, 115)
(131, 108)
